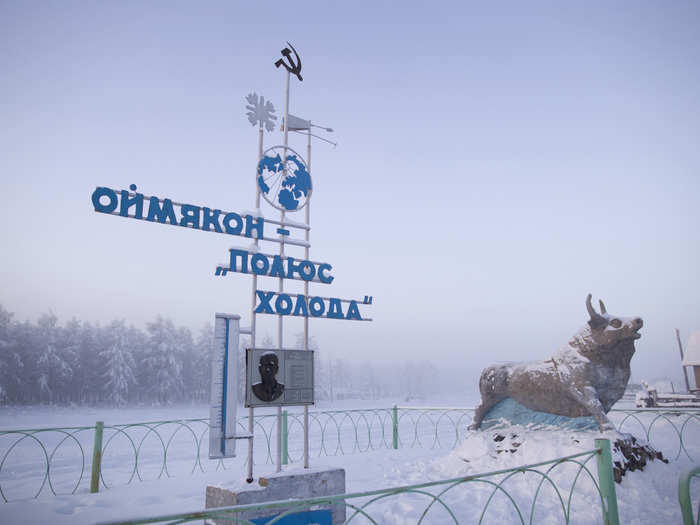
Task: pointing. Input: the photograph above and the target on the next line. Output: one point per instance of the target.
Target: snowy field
(644, 497)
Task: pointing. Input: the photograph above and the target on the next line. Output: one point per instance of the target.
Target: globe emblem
(285, 184)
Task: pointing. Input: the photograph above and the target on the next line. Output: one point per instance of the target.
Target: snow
(648, 496)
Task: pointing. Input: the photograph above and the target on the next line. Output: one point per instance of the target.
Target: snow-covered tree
(201, 364)
(69, 341)
(11, 363)
(119, 365)
(163, 361)
(53, 368)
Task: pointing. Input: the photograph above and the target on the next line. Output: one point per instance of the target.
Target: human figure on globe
(269, 388)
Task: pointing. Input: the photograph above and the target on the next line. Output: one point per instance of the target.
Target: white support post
(280, 326)
(306, 294)
(251, 411)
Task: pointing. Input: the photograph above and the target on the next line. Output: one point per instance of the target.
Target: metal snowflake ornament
(260, 111)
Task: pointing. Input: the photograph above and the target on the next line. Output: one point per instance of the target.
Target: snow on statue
(585, 378)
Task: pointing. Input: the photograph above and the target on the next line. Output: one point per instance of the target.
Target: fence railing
(508, 495)
(684, 498)
(51, 461)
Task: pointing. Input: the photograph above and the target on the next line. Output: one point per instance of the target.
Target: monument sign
(275, 377)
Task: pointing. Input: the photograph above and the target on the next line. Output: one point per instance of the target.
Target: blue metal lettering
(259, 269)
(317, 306)
(327, 279)
(303, 267)
(264, 306)
(127, 202)
(233, 230)
(234, 253)
(104, 192)
(291, 267)
(300, 308)
(353, 312)
(251, 225)
(277, 267)
(190, 215)
(283, 304)
(161, 214)
(335, 311)
(210, 217)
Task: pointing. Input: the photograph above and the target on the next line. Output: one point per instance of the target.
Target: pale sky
(495, 164)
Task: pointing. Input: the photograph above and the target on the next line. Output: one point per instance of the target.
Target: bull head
(596, 320)
(619, 327)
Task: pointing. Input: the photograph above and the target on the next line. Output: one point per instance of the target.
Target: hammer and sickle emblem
(291, 66)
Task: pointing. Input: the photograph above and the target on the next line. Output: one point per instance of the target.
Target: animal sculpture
(584, 378)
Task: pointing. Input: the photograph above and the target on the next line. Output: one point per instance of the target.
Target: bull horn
(602, 307)
(596, 318)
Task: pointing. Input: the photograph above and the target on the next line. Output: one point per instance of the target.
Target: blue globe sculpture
(286, 185)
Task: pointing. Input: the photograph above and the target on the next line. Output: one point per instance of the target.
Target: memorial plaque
(279, 377)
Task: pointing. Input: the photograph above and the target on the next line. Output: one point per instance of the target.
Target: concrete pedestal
(288, 484)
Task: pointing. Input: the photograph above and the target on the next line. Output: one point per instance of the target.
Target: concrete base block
(288, 484)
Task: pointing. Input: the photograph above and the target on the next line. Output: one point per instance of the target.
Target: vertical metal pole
(685, 372)
(395, 427)
(306, 294)
(278, 463)
(280, 334)
(684, 496)
(251, 411)
(606, 482)
(285, 439)
(97, 458)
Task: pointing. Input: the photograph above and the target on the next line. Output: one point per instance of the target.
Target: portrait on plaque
(268, 389)
(279, 377)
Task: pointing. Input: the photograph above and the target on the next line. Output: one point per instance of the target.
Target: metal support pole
(606, 482)
(96, 458)
(251, 422)
(285, 439)
(251, 411)
(684, 495)
(395, 426)
(279, 440)
(280, 334)
(306, 294)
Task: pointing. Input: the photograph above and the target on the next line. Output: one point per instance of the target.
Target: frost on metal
(260, 111)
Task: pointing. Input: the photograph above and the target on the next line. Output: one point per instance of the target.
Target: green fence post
(96, 458)
(395, 425)
(285, 439)
(684, 495)
(607, 482)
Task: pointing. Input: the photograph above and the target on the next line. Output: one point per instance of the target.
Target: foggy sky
(495, 164)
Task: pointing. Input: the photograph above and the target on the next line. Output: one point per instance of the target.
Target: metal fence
(51, 461)
(457, 500)
(684, 496)
(662, 425)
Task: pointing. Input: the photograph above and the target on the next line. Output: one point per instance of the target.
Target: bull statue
(585, 378)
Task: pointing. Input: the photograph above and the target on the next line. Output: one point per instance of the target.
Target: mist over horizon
(484, 182)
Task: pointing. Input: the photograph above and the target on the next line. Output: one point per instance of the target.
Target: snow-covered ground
(643, 497)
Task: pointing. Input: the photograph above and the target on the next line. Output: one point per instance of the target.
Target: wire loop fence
(579, 490)
(54, 461)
